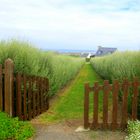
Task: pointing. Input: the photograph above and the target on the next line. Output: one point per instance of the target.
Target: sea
(71, 51)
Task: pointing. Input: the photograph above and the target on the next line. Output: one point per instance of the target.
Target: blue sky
(72, 24)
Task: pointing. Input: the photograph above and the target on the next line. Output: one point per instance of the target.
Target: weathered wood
(86, 106)
(33, 94)
(41, 94)
(18, 95)
(25, 98)
(115, 104)
(105, 103)
(44, 96)
(1, 89)
(95, 105)
(135, 98)
(37, 95)
(8, 86)
(29, 99)
(47, 90)
(125, 88)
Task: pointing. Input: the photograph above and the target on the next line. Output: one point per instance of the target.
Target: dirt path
(66, 131)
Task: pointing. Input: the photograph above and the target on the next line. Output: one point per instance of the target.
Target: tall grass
(119, 65)
(32, 61)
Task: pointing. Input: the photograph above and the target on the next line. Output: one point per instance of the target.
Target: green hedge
(133, 129)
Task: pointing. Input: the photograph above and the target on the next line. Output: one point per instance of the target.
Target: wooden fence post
(8, 86)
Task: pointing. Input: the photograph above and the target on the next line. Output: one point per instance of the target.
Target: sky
(72, 24)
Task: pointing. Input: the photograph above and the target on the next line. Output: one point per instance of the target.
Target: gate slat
(47, 91)
(41, 86)
(33, 94)
(125, 88)
(37, 96)
(135, 98)
(18, 95)
(105, 103)
(29, 99)
(25, 98)
(115, 104)
(44, 95)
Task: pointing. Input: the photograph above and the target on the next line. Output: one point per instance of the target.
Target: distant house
(104, 51)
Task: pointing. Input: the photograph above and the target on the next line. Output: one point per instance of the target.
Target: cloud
(70, 23)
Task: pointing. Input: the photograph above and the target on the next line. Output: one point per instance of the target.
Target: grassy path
(70, 104)
(66, 113)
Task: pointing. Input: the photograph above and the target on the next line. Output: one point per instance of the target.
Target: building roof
(104, 51)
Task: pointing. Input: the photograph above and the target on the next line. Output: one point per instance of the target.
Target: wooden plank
(36, 90)
(1, 90)
(105, 103)
(95, 105)
(29, 99)
(125, 88)
(115, 104)
(86, 106)
(8, 87)
(41, 91)
(135, 98)
(25, 98)
(37, 96)
(47, 88)
(33, 93)
(46, 94)
(18, 95)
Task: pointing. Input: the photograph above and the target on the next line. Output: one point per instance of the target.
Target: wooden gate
(114, 89)
(22, 95)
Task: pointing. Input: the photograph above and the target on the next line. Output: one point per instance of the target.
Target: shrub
(133, 129)
(12, 128)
